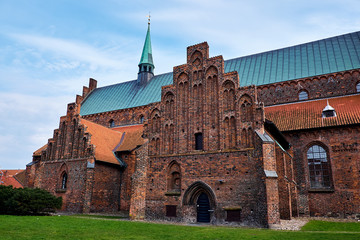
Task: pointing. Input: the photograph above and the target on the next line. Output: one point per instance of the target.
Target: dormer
(328, 111)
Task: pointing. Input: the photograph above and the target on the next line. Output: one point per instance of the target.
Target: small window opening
(358, 87)
(141, 119)
(64, 181)
(233, 215)
(111, 123)
(198, 141)
(171, 210)
(303, 95)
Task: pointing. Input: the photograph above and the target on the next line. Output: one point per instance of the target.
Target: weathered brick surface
(342, 147)
(91, 186)
(235, 179)
(329, 85)
(106, 188)
(49, 178)
(138, 184)
(121, 117)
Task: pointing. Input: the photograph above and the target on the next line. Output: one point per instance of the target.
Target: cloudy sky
(49, 49)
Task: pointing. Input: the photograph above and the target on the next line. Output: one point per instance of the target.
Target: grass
(72, 227)
(332, 226)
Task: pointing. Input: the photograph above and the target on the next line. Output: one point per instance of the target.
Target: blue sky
(49, 49)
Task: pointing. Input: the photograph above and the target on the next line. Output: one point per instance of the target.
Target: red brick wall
(342, 145)
(139, 184)
(49, 177)
(121, 117)
(106, 188)
(235, 178)
(329, 85)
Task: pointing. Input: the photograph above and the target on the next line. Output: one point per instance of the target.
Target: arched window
(64, 178)
(111, 123)
(358, 87)
(169, 105)
(229, 96)
(155, 121)
(303, 95)
(246, 108)
(141, 119)
(319, 168)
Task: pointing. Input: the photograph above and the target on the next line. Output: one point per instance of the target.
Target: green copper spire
(146, 56)
(146, 65)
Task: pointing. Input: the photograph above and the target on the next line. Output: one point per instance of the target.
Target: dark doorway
(203, 207)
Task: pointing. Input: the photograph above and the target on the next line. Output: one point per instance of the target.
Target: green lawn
(72, 227)
(332, 226)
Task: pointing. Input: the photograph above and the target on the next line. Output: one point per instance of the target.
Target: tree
(27, 201)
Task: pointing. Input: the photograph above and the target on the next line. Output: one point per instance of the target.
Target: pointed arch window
(319, 167)
(229, 96)
(246, 111)
(64, 178)
(141, 119)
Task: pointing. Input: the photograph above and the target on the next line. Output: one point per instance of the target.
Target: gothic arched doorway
(203, 208)
(201, 199)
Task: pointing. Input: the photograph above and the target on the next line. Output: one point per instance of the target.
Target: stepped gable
(39, 151)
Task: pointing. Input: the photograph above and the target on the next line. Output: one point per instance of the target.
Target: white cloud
(70, 49)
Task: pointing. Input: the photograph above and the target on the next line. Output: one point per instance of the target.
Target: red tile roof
(308, 114)
(12, 177)
(105, 140)
(132, 137)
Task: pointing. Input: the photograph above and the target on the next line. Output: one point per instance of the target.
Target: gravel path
(294, 224)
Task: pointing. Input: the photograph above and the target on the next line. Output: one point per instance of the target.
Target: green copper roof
(329, 55)
(146, 56)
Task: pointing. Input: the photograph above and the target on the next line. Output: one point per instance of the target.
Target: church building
(246, 141)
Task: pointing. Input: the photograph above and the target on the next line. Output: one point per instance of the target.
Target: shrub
(27, 201)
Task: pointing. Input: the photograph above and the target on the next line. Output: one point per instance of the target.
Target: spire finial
(149, 16)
